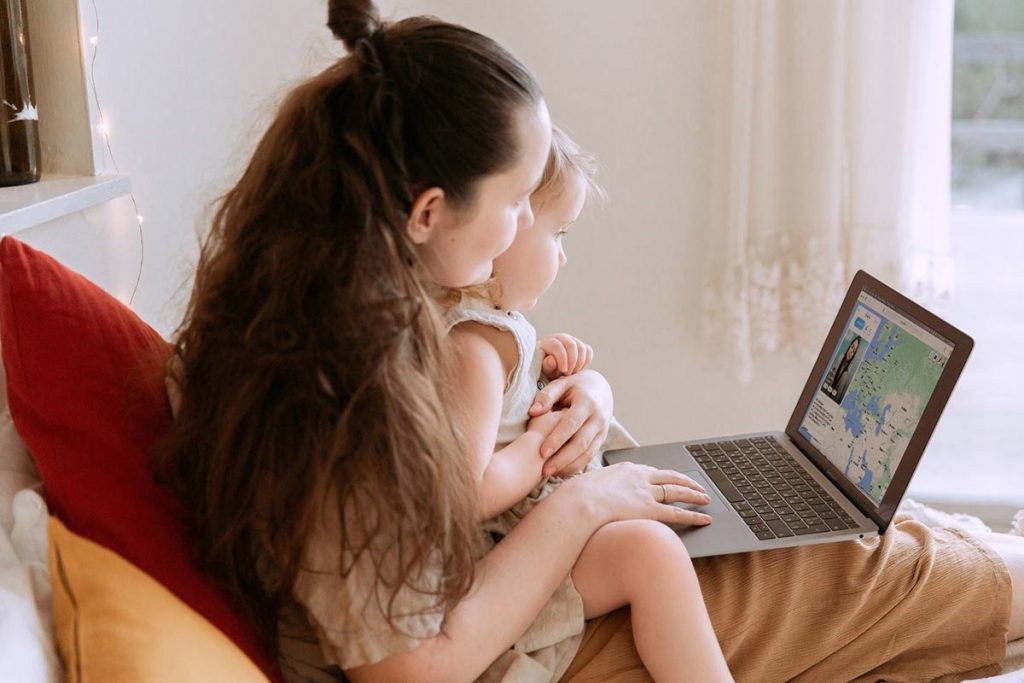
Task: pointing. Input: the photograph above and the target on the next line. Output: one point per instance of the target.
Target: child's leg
(644, 564)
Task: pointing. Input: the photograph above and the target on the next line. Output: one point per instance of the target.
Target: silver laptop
(842, 465)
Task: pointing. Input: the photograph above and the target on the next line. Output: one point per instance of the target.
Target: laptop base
(729, 532)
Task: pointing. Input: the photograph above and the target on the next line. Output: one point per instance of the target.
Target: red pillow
(86, 392)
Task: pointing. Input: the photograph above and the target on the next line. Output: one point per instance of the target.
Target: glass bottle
(19, 122)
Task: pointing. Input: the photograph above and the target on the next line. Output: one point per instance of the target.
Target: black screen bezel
(882, 513)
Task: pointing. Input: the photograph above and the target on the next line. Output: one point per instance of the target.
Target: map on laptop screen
(875, 389)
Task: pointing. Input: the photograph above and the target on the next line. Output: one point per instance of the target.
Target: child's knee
(650, 540)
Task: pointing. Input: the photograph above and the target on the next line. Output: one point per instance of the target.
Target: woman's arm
(515, 579)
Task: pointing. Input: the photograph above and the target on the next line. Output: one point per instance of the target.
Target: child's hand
(564, 355)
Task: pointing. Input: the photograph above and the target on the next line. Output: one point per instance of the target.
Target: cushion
(114, 623)
(85, 389)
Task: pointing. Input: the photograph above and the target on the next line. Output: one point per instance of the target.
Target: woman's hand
(545, 423)
(629, 490)
(587, 401)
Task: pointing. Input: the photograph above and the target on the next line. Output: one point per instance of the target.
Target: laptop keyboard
(773, 494)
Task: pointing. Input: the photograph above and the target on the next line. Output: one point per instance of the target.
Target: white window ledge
(54, 196)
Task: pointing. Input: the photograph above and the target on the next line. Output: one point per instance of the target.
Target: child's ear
(426, 214)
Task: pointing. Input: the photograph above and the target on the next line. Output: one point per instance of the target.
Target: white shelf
(23, 206)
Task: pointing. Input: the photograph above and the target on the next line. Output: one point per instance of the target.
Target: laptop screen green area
(872, 395)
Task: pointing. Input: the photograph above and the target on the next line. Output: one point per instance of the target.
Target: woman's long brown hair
(312, 358)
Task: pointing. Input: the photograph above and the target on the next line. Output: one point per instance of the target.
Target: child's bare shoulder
(478, 340)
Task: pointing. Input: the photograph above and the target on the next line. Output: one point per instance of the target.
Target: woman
(839, 377)
(315, 447)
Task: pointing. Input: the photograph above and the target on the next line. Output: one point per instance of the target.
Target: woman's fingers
(677, 515)
(577, 465)
(675, 493)
(548, 396)
(568, 441)
(586, 452)
(676, 487)
(673, 477)
(559, 437)
(633, 491)
(580, 463)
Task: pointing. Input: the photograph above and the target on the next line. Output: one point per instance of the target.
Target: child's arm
(508, 475)
(564, 354)
(517, 468)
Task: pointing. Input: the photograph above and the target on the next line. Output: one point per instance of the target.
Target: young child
(639, 563)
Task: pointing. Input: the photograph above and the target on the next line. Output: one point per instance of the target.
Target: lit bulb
(140, 219)
(95, 40)
(103, 128)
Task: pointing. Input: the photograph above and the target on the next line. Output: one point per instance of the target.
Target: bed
(63, 339)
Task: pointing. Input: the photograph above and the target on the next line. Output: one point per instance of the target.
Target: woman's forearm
(513, 582)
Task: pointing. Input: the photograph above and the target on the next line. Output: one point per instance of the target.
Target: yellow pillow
(113, 622)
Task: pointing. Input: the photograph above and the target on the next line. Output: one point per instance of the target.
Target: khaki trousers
(915, 604)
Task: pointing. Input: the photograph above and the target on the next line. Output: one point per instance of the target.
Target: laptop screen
(873, 392)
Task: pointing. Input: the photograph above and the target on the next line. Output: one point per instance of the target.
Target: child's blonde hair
(566, 160)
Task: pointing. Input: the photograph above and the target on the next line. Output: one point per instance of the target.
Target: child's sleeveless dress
(547, 648)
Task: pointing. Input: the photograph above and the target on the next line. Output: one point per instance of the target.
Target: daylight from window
(975, 454)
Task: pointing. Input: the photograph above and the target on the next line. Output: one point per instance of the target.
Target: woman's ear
(428, 212)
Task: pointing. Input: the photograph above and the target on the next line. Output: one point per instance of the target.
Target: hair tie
(369, 49)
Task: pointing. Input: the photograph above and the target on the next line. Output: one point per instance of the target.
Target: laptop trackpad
(716, 504)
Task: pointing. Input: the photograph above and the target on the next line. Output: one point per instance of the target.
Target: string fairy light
(103, 128)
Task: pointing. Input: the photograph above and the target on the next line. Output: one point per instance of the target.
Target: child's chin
(527, 306)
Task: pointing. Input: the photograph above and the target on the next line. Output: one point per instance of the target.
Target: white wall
(187, 88)
(627, 80)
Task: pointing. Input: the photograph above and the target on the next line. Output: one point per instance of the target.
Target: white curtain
(830, 153)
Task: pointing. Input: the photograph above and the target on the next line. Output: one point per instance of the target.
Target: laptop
(856, 435)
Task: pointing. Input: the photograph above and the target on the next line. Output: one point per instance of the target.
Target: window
(976, 452)
(988, 106)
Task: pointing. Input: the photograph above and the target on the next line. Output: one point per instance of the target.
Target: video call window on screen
(843, 368)
(850, 353)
